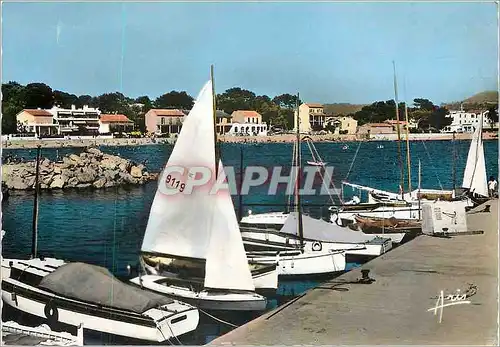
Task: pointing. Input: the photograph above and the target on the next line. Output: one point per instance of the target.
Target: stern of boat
(174, 320)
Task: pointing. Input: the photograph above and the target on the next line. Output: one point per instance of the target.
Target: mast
(240, 197)
(454, 173)
(297, 187)
(217, 154)
(419, 182)
(34, 234)
(401, 183)
(408, 159)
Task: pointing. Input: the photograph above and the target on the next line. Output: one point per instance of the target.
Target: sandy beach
(284, 138)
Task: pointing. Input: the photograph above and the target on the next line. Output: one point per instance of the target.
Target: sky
(329, 52)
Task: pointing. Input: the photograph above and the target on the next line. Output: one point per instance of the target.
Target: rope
(430, 160)
(217, 319)
(313, 150)
(352, 162)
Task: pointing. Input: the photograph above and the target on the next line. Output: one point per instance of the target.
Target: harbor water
(105, 227)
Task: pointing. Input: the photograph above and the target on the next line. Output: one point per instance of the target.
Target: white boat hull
(295, 263)
(156, 324)
(207, 300)
(273, 240)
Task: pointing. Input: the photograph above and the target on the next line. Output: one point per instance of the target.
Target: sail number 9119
(175, 183)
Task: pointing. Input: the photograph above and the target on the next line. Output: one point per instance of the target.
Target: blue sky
(329, 52)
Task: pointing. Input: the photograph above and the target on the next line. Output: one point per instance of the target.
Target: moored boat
(199, 226)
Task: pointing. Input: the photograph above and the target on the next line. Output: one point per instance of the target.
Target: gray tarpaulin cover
(97, 285)
(319, 230)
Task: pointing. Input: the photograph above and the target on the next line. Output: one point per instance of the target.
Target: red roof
(167, 112)
(38, 112)
(114, 118)
(247, 113)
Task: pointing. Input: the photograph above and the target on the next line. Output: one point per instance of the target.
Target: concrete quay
(394, 309)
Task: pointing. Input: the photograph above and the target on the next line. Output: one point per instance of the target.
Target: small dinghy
(316, 163)
(199, 226)
(78, 293)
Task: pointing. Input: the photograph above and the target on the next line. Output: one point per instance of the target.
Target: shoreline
(285, 138)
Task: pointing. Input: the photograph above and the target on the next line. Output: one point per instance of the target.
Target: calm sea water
(106, 227)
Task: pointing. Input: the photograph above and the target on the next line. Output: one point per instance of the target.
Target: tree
(174, 99)
(13, 101)
(234, 99)
(437, 119)
(65, 100)
(286, 101)
(492, 115)
(85, 100)
(112, 102)
(423, 104)
(38, 95)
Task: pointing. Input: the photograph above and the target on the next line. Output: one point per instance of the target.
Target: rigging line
(430, 160)
(291, 174)
(218, 319)
(352, 162)
(323, 177)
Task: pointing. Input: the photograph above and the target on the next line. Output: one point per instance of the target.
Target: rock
(68, 173)
(95, 152)
(43, 186)
(30, 181)
(57, 169)
(126, 177)
(24, 173)
(16, 182)
(124, 166)
(45, 162)
(109, 184)
(72, 182)
(87, 175)
(110, 174)
(46, 179)
(67, 162)
(57, 182)
(108, 163)
(83, 185)
(74, 158)
(136, 171)
(99, 183)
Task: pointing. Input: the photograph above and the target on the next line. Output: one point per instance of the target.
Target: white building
(466, 122)
(76, 120)
(247, 123)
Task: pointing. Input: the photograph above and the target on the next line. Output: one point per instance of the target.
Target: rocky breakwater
(90, 169)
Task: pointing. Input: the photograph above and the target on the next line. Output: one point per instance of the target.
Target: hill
(479, 100)
(341, 108)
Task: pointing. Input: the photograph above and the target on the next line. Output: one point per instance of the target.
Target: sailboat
(385, 204)
(475, 182)
(81, 294)
(197, 234)
(299, 260)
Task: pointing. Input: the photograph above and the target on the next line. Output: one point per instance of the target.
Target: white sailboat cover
(319, 230)
(179, 224)
(227, 264)
(475, 170)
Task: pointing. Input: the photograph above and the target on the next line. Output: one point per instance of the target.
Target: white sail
(475, 169)
(227, 264)
(179, 225)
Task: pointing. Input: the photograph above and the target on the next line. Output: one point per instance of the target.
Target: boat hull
(296, 263)
(155, 324)
(35, 302)
(206, 300)
(265, 240)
